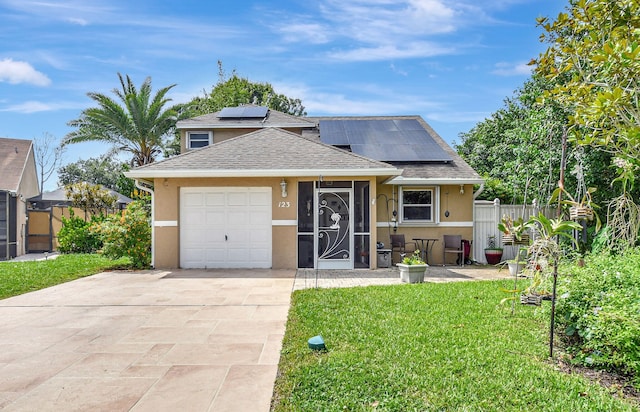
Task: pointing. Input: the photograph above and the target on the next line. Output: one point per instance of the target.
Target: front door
(334, 229)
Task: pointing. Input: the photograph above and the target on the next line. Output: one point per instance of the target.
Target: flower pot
(581, 212)
(531, 299)
(511, 240)
(515, 267)
(493, 256)
(412, 273)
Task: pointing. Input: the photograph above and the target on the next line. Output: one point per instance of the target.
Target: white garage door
(225, 227)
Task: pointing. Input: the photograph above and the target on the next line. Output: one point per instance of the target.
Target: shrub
(127, 234)
(599, 308)
(75, 235)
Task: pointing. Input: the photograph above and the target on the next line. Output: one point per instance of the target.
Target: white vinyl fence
(487, 215)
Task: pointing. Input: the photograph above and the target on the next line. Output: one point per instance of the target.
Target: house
(18, 182)
(256, 188)
(45, 217)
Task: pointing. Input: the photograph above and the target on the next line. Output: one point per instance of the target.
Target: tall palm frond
(135, 122)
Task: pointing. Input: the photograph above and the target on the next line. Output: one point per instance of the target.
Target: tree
(48, 157)
(235, 90)
(104, 170)
(139, 126)
(518, 148)
(92, 199)
(595, 46)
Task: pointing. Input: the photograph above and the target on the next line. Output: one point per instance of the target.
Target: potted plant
(492, 253)
(546, 253)
(581, 207)
(513, 231)
(519, 263)
(412, 268)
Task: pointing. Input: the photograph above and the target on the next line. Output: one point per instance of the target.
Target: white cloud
(29, 107)
(392, 51)
(72, 11)
(511, 69)
(16, 72)
(313, 33)
(372, 100)
(78, 21)
(33, 106)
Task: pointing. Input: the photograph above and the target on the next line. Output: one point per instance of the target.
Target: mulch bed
(618, 385)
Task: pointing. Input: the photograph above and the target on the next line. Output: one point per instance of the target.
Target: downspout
(146, 187)
(479, 192)
(475, 196)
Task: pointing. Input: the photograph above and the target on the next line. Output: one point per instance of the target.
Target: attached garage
(225, 227)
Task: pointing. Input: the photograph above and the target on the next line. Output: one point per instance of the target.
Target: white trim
(284, 223)
(399, 180)
(141, 185)
(165, 223)
(149, 174)
(207, 132)
(245, 126)
(401, 204)
(418, 224)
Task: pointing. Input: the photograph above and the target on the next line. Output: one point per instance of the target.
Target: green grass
(17, 278)
(425, 347)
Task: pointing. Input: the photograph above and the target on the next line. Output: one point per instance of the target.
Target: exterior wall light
(461, 189)
(283, 186)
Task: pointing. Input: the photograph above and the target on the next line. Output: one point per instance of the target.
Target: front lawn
(425, 347)
(17, 278)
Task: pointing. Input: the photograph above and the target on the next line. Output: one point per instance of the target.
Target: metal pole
(553, 308)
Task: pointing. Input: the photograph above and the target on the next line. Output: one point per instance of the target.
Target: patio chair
(453, 244)
(398, 244)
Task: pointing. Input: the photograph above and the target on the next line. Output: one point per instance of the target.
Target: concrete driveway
(145, 341)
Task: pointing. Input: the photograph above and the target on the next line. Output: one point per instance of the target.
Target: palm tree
(138, 126)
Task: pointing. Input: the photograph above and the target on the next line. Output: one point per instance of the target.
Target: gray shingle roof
(257, 153)
(274, 119)
(60, 195)
(13, 158)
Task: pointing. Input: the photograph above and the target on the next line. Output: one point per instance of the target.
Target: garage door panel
(237, 199)
(214, 218)
(242, 215)
(193, 216)
(239, 217)
(260, 199)
(193, 199)
(215, 199)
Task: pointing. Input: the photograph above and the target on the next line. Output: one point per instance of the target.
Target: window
(196, 140)
(417, 205)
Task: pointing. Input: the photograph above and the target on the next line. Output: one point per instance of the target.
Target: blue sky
(451, 61)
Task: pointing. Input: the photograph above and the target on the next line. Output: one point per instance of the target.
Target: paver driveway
(145, 341)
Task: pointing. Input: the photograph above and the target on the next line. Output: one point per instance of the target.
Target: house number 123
(284, 204)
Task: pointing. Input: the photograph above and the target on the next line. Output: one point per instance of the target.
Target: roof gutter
(146, 186)
(415, 181)
(205, 126)
(151, 174)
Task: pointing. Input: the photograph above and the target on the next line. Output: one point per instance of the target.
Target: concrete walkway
(145, 341)
(310, 278)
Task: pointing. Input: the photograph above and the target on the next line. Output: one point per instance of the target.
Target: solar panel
(243, 112)
(400, 140)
